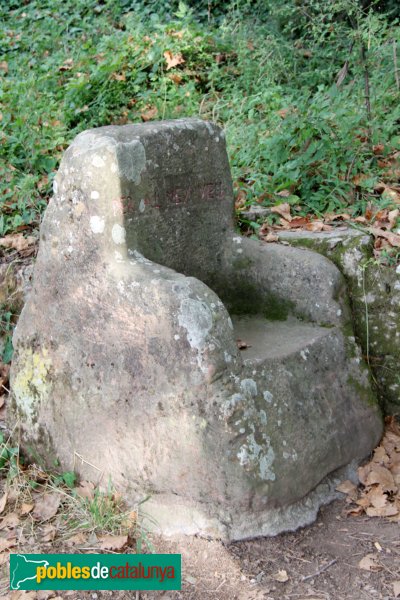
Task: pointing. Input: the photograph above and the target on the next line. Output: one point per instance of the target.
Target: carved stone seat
(126, 362)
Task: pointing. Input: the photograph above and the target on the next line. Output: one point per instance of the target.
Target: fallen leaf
(67, 65)
(3, 501)
(48, 533)
(240, 199)
(9, 521)
(299, 222)
(4, 66)
(25, 508)
(315, 226)
(77, 540)
(173, 60)
(363, 473)
(113, 542)
(43, 181)
(380, 455)
(23, 595)
(5, 544)
(242, 345)
(355, 512)
(393, 239)
(271, 237)
(130, 520)
(396, 588)
(149, 114)
(46, 507)
(378, 148)
(175, 77)
(389, 510)
(177, 34)
(392, 217)
(363, 502)
(370, 563)
(337, 217)
(283, 210)
(119, 76)
(391, 193)
(347, 487)
(360, 178)
(45, 594)
(377, 497)
(17, 241)
(281, 576)
(383, 476)
(85, 490)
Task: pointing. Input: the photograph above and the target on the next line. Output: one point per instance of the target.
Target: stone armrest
(276, 280)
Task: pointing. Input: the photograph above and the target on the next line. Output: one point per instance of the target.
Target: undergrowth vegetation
(308, 92)
(50, 505)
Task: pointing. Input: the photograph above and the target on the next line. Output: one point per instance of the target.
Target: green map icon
(23, 569)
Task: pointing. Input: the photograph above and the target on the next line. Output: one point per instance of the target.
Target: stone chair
(126, 362)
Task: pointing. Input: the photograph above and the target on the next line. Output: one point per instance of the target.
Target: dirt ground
(319, 562)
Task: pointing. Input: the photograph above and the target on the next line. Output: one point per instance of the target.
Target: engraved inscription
(177, 196)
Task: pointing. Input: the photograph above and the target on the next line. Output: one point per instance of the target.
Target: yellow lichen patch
(31, 385)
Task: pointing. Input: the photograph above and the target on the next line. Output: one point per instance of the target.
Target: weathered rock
(125, 355)
(254, 212)
(374, 291)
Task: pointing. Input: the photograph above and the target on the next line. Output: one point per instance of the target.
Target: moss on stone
(276, 309)
(365, 392)
(242, 263)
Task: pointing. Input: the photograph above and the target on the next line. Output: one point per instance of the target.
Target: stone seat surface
(274, 339)
(126, 366)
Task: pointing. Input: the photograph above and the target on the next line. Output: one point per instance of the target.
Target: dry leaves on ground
(173, 60)
(370, 562)
(270, 233)
(379, 492)
(113, 542)
(281, 576)
(150, 113)
(46, 507)
(242, 345)
(16, 241)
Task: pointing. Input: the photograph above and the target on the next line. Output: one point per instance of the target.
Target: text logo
(95, 572)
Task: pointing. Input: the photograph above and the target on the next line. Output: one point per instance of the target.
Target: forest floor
(319, 562)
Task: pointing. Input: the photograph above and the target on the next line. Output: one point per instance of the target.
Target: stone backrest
(162, 189)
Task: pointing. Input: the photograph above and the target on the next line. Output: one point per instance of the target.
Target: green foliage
(9, 459)
(101, 512)
(67, 478)
(266, 71)
(6, 331)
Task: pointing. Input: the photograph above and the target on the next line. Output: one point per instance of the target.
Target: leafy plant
(304, 90)
(9, 458)
(6, 331)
